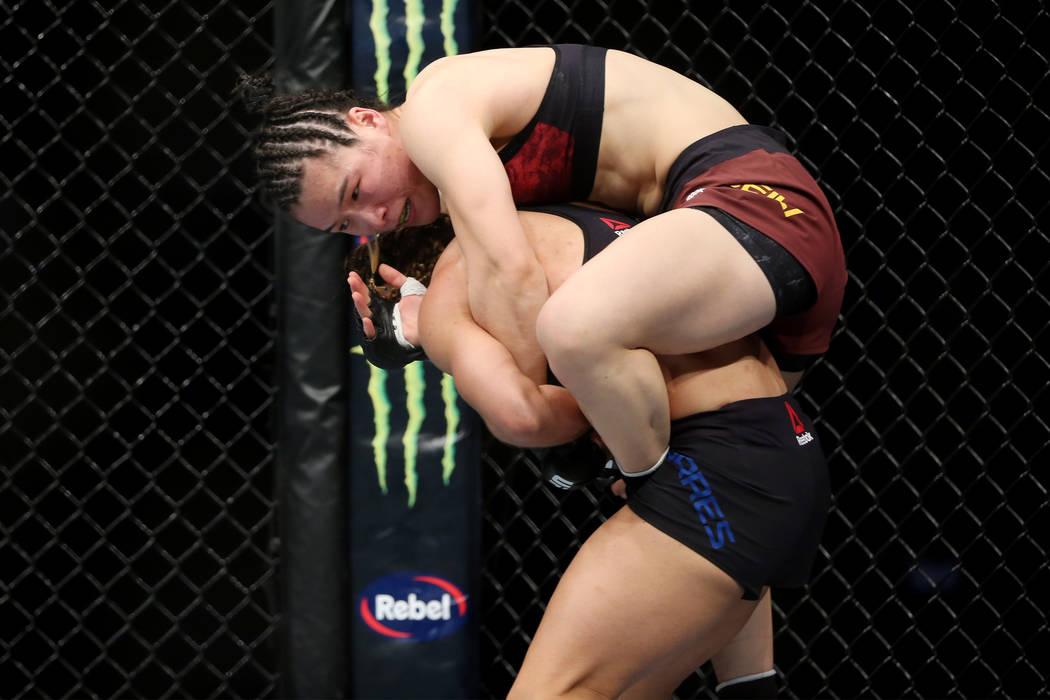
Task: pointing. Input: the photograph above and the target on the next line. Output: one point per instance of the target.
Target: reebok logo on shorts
(617, 226)
(801, 434)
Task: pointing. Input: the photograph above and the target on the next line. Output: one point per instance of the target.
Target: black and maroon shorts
(747, 179)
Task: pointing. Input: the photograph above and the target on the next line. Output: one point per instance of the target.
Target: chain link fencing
(926, 123)
(136, 389)
(136, 493)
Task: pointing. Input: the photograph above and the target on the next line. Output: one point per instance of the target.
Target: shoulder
(447, 292)
(481, 72)
(448, 263)
(457, 99)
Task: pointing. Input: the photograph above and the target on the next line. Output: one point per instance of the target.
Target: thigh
(749, 651)
(632, 600)
(675, 283)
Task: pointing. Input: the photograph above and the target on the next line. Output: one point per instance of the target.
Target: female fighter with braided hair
(737, 236)
(680, 574)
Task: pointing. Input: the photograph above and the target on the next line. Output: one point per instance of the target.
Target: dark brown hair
(413, 250)
(294, 127)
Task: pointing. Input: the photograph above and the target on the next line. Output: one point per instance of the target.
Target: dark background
(926, 127)
(137, 338)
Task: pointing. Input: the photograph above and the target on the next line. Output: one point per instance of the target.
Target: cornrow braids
(295, 127)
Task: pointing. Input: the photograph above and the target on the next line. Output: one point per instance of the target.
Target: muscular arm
(445, 129)
(517, 410)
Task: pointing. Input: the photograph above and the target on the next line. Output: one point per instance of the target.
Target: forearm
(517, 408)
(505, 300)
(506, 286)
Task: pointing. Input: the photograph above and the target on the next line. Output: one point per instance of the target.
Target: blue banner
(392, 40)
(415, 509)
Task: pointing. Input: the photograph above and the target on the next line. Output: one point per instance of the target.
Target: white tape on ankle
(650, 470)
(745, 679)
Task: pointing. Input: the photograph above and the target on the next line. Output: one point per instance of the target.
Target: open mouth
(405, 213)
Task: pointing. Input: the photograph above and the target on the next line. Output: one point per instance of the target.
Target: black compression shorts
(745, 486)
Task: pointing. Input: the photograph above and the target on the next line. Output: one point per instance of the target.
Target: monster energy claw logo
(379, 392)
(415, 20)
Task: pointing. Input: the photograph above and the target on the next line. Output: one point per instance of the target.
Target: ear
(364, 118)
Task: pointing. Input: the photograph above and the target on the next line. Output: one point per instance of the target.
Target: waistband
(720, 146)
(746, 416)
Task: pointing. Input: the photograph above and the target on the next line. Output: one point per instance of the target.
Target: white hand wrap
(399, 335)
(411, 287)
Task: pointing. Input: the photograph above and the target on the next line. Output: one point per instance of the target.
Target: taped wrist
(399, 336)
(389, 349)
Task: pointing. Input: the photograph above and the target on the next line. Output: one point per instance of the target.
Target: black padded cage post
(312, 341)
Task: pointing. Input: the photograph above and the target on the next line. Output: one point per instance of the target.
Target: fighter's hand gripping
(389, 332)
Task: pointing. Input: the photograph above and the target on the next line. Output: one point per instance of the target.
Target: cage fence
(137, 484)
(925, 126)
(136, 494)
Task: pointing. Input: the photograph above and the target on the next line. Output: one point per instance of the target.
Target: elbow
(518, 425)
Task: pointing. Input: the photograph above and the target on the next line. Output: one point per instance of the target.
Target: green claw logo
(415, 17)
(415, 387)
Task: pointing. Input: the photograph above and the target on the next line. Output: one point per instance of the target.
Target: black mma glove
(574, 463)
(389, 349)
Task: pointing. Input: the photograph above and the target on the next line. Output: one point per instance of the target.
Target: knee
(554, 331)
(525, 689)
(521, 690)
(551, 672)
(566, 335)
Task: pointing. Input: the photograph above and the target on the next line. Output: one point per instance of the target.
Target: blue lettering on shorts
(704, 503)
